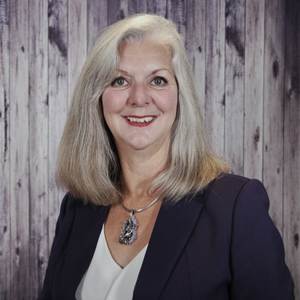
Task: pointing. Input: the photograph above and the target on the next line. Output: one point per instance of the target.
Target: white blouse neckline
(105, 279)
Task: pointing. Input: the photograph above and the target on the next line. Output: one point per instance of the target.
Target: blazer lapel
(171, 232)
(87, 227)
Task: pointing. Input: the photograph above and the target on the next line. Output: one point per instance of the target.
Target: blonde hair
(88, 164)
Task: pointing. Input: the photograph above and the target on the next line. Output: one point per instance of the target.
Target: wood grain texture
(77, 41)
(5, 220)
(254, 55)
(57, 100)
(158, 7)
(38, 143)
(137, 7)
(176, 11)
(195, 44)
(215, 72)
(19, 150)
(273, 106)
(97, 20)
(291, 190)
(234, 84)
(117, 10)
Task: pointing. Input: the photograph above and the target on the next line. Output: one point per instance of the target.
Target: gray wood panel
(19, 201)
(5, 221)
(195, 44)
(291, 186)
(273, 107)
(245, 56)
(38, 143)
(77, 41)
(157, 7)
(57, 101)
(97, 20)
(234, 84)
(254, 70)
(215, 72)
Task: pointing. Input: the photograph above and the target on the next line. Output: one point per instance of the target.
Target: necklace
(129, 230)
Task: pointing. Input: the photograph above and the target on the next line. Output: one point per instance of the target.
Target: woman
(151, 212)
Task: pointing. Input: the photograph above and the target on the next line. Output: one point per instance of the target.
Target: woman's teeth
(140, 120)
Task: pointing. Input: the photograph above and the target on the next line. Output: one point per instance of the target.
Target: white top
(105, 279)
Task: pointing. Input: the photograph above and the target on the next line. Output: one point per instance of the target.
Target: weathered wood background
(246, 60)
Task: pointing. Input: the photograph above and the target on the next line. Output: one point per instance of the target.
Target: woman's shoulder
(228, 180)
(231, 182)
(75, 217)
(71, 205)
(68, 205)
(229, 190)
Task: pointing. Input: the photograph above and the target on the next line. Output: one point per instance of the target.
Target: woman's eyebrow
(161, 69)
(152, 72)
(122, 71)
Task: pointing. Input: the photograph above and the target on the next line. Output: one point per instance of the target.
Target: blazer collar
(171, 232)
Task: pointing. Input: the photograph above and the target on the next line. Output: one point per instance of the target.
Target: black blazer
(220, 245)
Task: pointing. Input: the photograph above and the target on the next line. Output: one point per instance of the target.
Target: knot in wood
(256, 135)
(296, 239)
(275, 68)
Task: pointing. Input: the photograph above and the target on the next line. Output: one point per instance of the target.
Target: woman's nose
(139, 95)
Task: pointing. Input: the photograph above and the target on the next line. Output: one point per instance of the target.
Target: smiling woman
(151, 213)
(89, 163)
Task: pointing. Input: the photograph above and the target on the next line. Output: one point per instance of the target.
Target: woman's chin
(135, 142)
(143, 142)
(140, 146)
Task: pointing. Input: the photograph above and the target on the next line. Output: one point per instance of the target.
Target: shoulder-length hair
(88, 163)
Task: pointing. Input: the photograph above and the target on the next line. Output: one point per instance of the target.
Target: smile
(140, 120)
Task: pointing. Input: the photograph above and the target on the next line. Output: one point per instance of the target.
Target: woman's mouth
(140, 121)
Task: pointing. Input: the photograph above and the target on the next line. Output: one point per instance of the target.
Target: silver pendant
(129, 230)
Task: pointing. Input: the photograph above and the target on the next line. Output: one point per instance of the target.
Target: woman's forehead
(144, 56)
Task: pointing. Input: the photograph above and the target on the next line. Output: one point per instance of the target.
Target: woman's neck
(138, 171)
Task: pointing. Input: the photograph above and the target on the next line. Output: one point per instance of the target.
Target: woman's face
(140, 104)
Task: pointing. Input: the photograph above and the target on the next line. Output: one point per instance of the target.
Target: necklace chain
(133, 211)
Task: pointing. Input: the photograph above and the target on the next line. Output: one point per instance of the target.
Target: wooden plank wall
(246, 59)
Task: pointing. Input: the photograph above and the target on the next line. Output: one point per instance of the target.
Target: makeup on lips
(139, 121)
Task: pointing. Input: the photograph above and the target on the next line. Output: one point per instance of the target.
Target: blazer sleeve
(257, 253)
(62, 231)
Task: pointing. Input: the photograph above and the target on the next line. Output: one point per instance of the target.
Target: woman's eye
(120, 81)
(159, 81)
